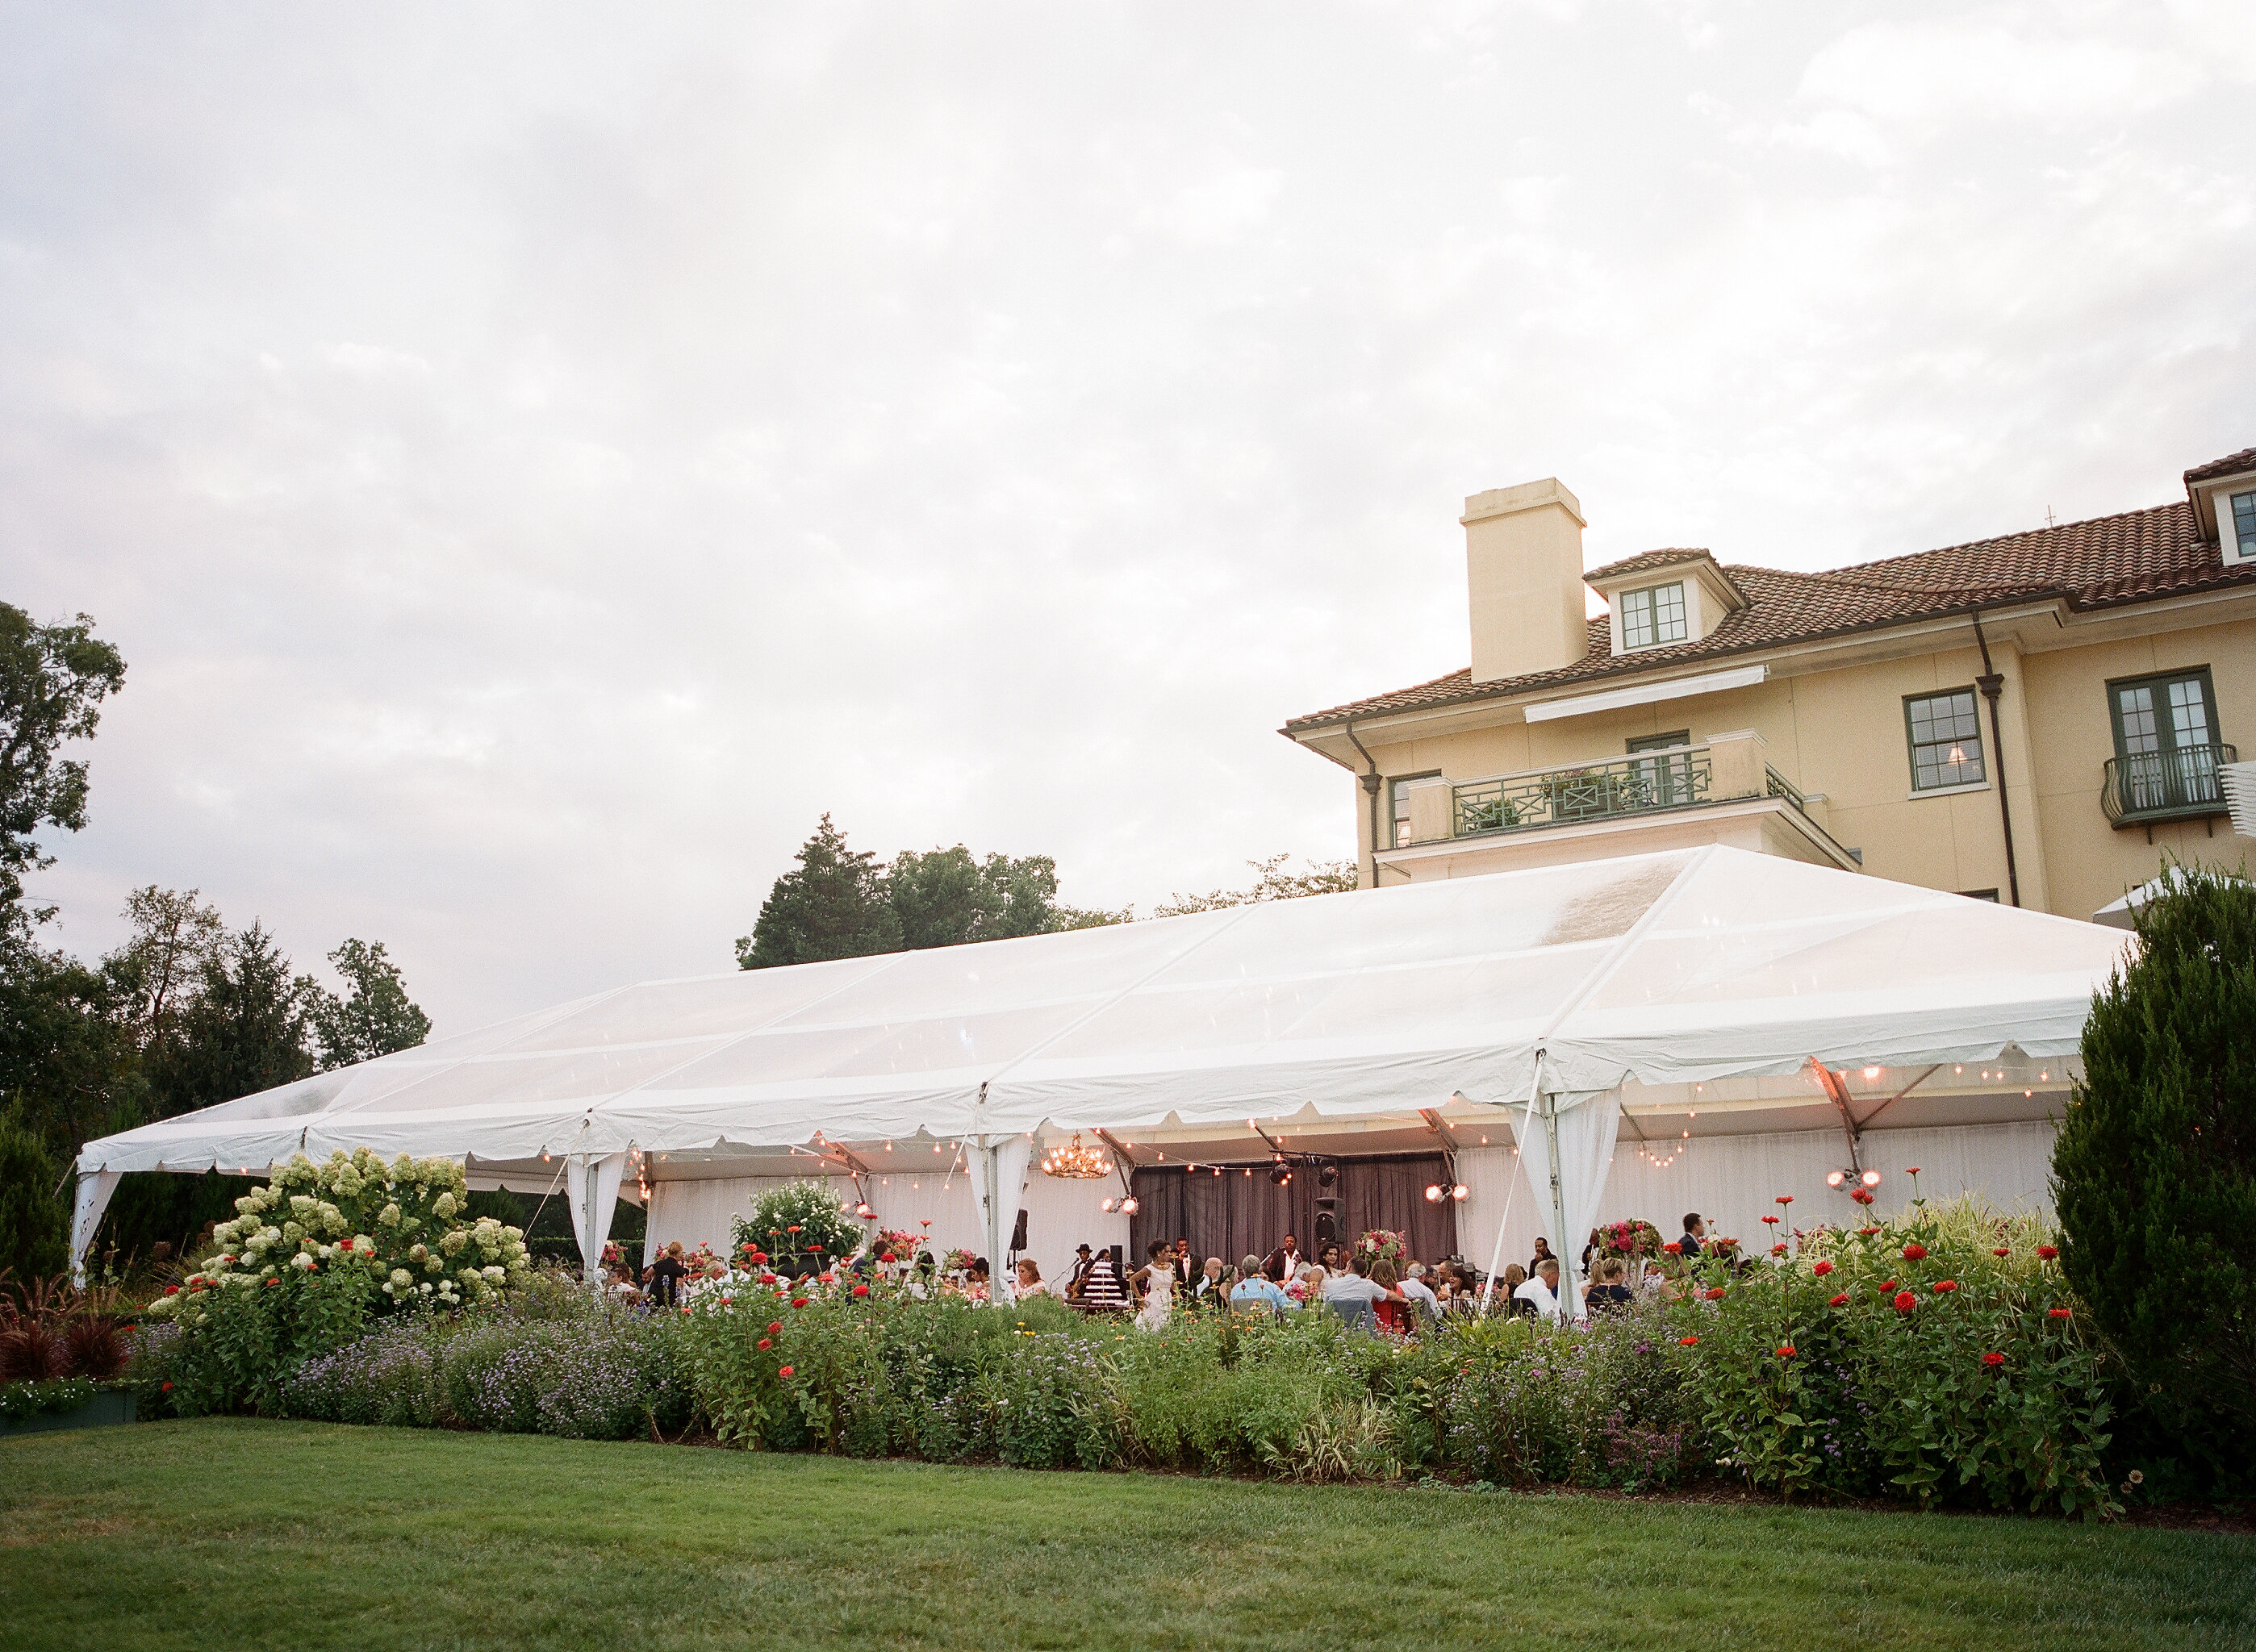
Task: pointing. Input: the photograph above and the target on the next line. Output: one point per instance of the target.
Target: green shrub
(2154, 1174)
(1906, 1359)
(803, 1218)
(34, 1223)
(20, 1402)
(1521, 1403)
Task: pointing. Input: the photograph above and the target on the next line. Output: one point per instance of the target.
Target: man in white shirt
(1358, 1286)
(1542, 1289)
(1415, 1288)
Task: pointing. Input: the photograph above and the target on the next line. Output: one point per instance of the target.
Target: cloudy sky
(536, 459)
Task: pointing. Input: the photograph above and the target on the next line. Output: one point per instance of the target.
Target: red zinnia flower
(1715, 1293)
(168, 1389)
(1785, 1199)
(1786, 1352)
(798, 1302)
(273, 1283)
(1841, 1301)
(775, 1325)
(2001, 1251)
(1672, 1248)
(750, 1247)
(1993, 1358)
(1773, 1220)
(1778, 1250)
(766, 1343)
(1912, 1170)
(861, 1291)
(785, 1372)
(1887, 1286)
(1822, 1268)
(1687, 1342)
(2047, 1251)
(2057, 1313)
(888, 1256)
(1906, 1302)
(1941, 1285)
(346, 1245)
(172, 1290)
(1863, 1196)
(1914, 1252)
(792, 1229)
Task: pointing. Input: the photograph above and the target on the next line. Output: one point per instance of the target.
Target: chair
(1355, 1313)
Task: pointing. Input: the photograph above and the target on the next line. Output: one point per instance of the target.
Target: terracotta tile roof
(2140, 556)
(1647, 561)
(2244, 459)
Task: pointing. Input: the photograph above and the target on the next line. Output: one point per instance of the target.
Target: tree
(2154, 1171)
(1270, 882)
(945, 897)
(245, 1032)
(156, 972)
(833, 905)
(52, 681)
(34, 1223)
(374, 1016)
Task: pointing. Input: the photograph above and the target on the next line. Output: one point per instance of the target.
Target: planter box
(108, 1406)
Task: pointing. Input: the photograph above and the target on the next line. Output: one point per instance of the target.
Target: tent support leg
(1567, 1252)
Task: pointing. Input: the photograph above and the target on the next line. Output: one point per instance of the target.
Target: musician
(1285, 1262)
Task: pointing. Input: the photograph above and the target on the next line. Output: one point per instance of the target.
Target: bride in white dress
(1159, 1293)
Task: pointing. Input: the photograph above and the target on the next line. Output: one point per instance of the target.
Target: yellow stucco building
(2035, 718)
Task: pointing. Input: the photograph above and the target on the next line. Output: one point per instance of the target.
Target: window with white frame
(2240, 537)
(1654, 616)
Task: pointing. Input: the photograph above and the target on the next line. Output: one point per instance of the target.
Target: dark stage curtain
(1233, 1215)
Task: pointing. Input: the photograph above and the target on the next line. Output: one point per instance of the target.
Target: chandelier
(1084, 1163)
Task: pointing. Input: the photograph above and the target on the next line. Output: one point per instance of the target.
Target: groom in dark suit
(1186, 1267)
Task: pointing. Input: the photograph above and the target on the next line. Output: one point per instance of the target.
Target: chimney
(1524, 575)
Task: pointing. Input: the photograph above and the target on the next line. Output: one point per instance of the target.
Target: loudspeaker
(1328, 1229)
(1018, 1234)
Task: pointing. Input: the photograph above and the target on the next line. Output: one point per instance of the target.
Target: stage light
(1460, 1191)
(1835, 1178)
(1279, 1175)
(1106, 1205)
(1433, 1193)
(1871, 1179)
(1327, 1176)
(1129, 1207)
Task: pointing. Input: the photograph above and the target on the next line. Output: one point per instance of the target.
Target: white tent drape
(1005, 1160)
(592, 1184)
(1586, 1125)
(94, 1188)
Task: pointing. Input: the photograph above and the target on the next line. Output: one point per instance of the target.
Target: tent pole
(1567, 1251)
(991, 1152)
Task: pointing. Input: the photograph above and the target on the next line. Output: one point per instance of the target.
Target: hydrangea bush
(310, 1256)
(801, 1218)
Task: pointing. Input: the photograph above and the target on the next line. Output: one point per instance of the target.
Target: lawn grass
(238, 1534)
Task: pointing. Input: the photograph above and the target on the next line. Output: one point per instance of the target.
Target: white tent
(1475, 995)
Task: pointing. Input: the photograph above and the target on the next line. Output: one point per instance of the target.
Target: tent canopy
(1665, 969)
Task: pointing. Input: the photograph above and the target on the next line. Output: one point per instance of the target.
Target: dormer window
(2240, 537)
(1654, 616)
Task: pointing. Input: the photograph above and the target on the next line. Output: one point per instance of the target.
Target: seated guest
(1210, 1286)
(624, 1288)
(1415, 1288)
(1031, 1282)
(1695, 1231)
(1100, 1287)
(1392, 1312)
(1255, 1288)
(1283, 1264)
(1608, 1294)
(1542, 1254)
(1541, 1291)
(1356, 1284)
(1328, 1258)
(1508, 1290)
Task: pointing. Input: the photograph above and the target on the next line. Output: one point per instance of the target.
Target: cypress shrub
(34, 1221)
(2154, 1175)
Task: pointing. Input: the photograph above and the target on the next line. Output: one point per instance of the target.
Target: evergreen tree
(34, 1221)
(2154, 1172)
(374, 1017)
(832, 905)
(246, 1032)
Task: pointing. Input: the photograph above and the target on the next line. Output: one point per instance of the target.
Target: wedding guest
(666, 1274)
(1185, 1267)
(1608, 1294)
(1393, 1309)
(1158, 1286)
(1283, 1264)
(1100, 1286)
(1329, 1259)
(1210, 1286)
(1415, 1288)
(1356, 1284)
(1695, 1231)
(1542, 1253)
(1540, 1291)
(1255, 1288)
(1031, 1282)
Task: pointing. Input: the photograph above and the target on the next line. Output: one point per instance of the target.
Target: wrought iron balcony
(1677, 778)
(2181, 784)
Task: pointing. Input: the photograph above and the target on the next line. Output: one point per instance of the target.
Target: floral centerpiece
(802, 1219)
(1379, 1244)
(1630, 1239)
(958, 1261)
(897, 1242)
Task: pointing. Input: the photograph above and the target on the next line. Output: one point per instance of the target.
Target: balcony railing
(2180, 785)
(1676, 778)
